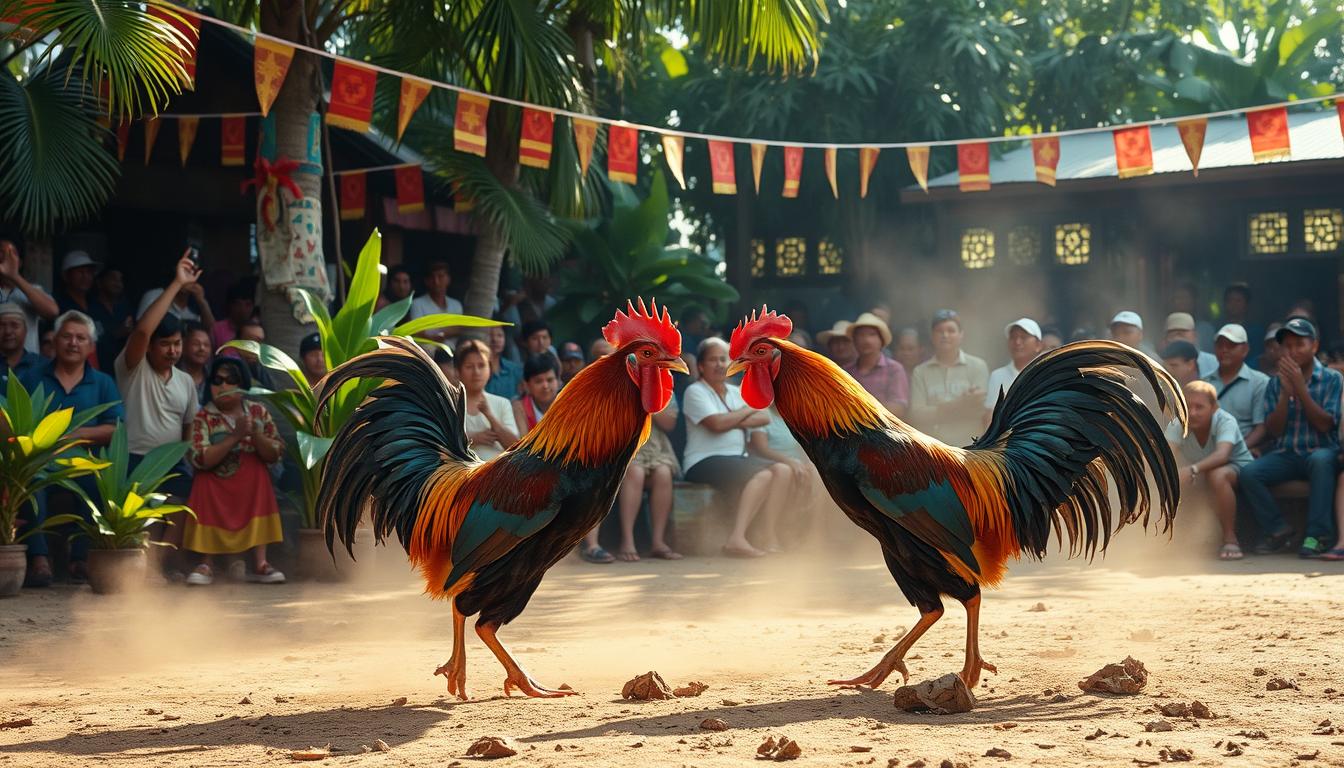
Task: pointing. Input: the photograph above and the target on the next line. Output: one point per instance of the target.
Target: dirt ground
(241, 675)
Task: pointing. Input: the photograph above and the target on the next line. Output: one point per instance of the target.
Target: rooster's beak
(676, 364)
(736, 367)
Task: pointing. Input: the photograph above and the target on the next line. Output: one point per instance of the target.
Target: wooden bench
(699, 526)
(1292, 499)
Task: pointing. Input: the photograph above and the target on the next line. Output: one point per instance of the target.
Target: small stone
(647, 687)
(1201, 711)
(944, 695)
(783, 749)
(1174, 709)
(311, 753)
(1259, 672)
(857, 748)
(492, 747)
(1037, 608)
(381, 745)
(713, 724)
(245, 700)
(1126, 677)
(153, 711)
(690, 689)
(1095, 735)
(400, 701)
(729, 703)
(1159, 726)
(1058, 698)
(1004, 726)
(1281, 684)
(1310, 755)
(1253, 734)
(1179, 755)
(997, 752)
(171, 717)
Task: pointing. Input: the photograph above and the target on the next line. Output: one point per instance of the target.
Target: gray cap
(10, 308)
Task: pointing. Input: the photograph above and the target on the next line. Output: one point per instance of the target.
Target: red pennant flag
(469, 123)
(461, 202)
(353, 193)
(1133, 151)
(352, 89)
(758, 160)
(973, 166)
(828, 160)
(674, 151)
(1045, 152)
(270, 64)
(1269, 134)
(1192, 136)
(413, 93)
(867, 161)
(919, 165)
(410, 189)
(188, 38)
(186, 136)
(793, 170)
(233, 139)
(722, 168)
(123, 136)
(152, 126)
(534, 146)
(623, 153)
(1339, 106)
(585, 134)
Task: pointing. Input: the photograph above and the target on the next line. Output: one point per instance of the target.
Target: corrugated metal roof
(1314, 136)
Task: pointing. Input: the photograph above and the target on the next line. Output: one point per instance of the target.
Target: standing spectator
(909, 349)
(541, 383)
(232, 441)
(1024, 344)
(838, 345)
(1181, 327)
(506, 376)
(535, 338)
(1126, 328)
(197, 350)
(1211, 455)
(76, 291)
(571, 361)
(14, 359)
(240, 309)
(312, 359)
(253, 330)
(1240, 390)
(436, 300)
(1051, 339)
(883, 377)
(1184, 300)
(1181, 360)
(398, 286)
(47, 345)
(536, 300)
(190, 304)
(1302, 411)
(110, 310)
(1237, 310)
(489, 421)
(15, 289)
(947, 392)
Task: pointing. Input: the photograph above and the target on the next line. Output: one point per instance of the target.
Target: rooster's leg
(517, 677)
(970, 673)
(894, 661)
(455, 669)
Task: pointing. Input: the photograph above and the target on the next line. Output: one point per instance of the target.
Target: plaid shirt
(886, 381)
(1324, 387)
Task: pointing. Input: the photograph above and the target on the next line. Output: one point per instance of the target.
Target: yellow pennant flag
(758, 160)
(1192, 136)
(585, 134)
(674, 151)
(867, 161)
(413, 93)
(186, 136)
(270, 64)
(919, 165)
(830, 171)
(152, 126)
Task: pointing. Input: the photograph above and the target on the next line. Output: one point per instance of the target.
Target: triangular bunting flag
(123, 138)
(469, 123)
(1269, 134)
(270, 64)
(186, 136)
(1133, 151)
(1045, 153)
(352, 89)
(793, 170)
(623, 153)
(534, 145)
(721, 167)
(413, 93)
(461, 202)
(354, 190)
(919, 165)
(585, 135)
(758, 160)
(233, 140)
(674, 152)
(867, 161)
(829, 162)
(1192, 136)
(189, 29)
(410, 189)
(152, 126)
(973, 166)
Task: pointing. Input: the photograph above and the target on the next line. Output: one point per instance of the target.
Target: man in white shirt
(436, 300)
(1024, 344)
(1181, 327)
(15, 289)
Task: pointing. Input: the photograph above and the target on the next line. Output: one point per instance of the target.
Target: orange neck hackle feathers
(640, 324)
(766, 325)
(816, 398)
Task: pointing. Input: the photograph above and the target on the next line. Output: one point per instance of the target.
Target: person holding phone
(190, 302)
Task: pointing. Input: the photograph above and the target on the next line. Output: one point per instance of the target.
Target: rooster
(949, 518)
(482, 534)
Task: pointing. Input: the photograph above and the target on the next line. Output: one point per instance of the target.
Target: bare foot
(628, 556)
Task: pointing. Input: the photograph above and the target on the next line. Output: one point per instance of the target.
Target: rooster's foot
(875, 676)
(530, 687)
(455, 671)
(970, 674)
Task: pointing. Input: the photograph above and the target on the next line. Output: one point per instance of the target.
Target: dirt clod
(997, 752)
(1159, 726)
(647, 687)
(1259, 672)
(1280, 684)
(381, 745)
(1178, 755)
(713, 724)
(20, 723)
(779, 750)
(1126, 677)
(492, 747)
(1037, 608)
(245, 700)
(694, 688)
(944, 695)
(400, 701)
(311, 753)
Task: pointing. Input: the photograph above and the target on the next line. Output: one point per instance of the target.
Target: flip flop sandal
(1230, 552)
(666, 554)
(1334, 555)
(597, 556)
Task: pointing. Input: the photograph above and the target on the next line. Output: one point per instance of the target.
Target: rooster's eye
(648, 352)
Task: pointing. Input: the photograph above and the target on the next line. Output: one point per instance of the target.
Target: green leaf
(442, 320)
(272, 358)
(385, 319)
(312, 448)
(333, 348)
(52, 428)
(674, 62)
(351, 326)
(153, 469)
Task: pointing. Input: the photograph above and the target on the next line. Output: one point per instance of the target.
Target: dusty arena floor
(242, 675)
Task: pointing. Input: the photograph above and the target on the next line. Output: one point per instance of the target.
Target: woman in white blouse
(718, 424)
(489, 420)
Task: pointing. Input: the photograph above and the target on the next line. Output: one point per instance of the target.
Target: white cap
(1026, 324)
(1233, 333)
(75, 259)
(1128, 317)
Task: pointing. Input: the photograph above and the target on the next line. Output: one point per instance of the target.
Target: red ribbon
(270, 177)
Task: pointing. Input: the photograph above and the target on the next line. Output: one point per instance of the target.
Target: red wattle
(655, 388)
(757, 389)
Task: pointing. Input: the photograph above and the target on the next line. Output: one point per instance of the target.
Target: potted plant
(350, 333)
(36, 452)
(127, 505)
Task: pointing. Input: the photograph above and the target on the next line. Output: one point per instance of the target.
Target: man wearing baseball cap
(1181, 327)
(1240, 388)
(14, 357)
(883, 377)
(1127, 328)
(1024, 344)
(1302, 412)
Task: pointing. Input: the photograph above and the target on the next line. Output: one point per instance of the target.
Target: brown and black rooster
(949, 519)
(484, 533)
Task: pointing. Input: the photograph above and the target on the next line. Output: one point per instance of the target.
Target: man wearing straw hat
(838, 345)
(883, 377)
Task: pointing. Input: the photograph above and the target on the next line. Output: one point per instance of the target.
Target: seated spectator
(541, 383)
(801, 338)
(909, 349)
(15, 289)
(489, 421)
(535, 338)
(947, 391)
(1181, 327)
(599, 348)
(253, 330)
(1237, 310)
(1302, 412)
(1184, 300)
(1051, 339)
(776, 443)
(838, 345)
(1126, 328)
(1210, 456)
(435, 300)
(1268, 361)
(695, 326)
(232, 441)
(240, 309)
(14, 358)
(654, 467)
(1024, 344)
(1241, 390)
(883, 377)
(1333, 356)
(1181, 360)
(444, 359)
(312, 359)
(397, 287)
(718, 423)
(73, 383)
(113, 313)
(506, 376)
(1083, 333)
(571, 361)
(197, 351)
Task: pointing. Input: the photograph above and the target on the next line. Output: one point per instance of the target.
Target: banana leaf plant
(128, 501)
(37, 452)
(353, 331)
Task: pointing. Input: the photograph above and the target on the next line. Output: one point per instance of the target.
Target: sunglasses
(222, 379)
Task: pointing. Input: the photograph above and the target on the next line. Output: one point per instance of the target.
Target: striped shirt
(1324, 387)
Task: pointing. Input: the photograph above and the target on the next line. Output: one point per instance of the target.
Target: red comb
(639, 323)
(767, 325)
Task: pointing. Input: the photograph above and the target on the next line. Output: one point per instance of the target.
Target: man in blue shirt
(15, 359)
(1302, 412)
